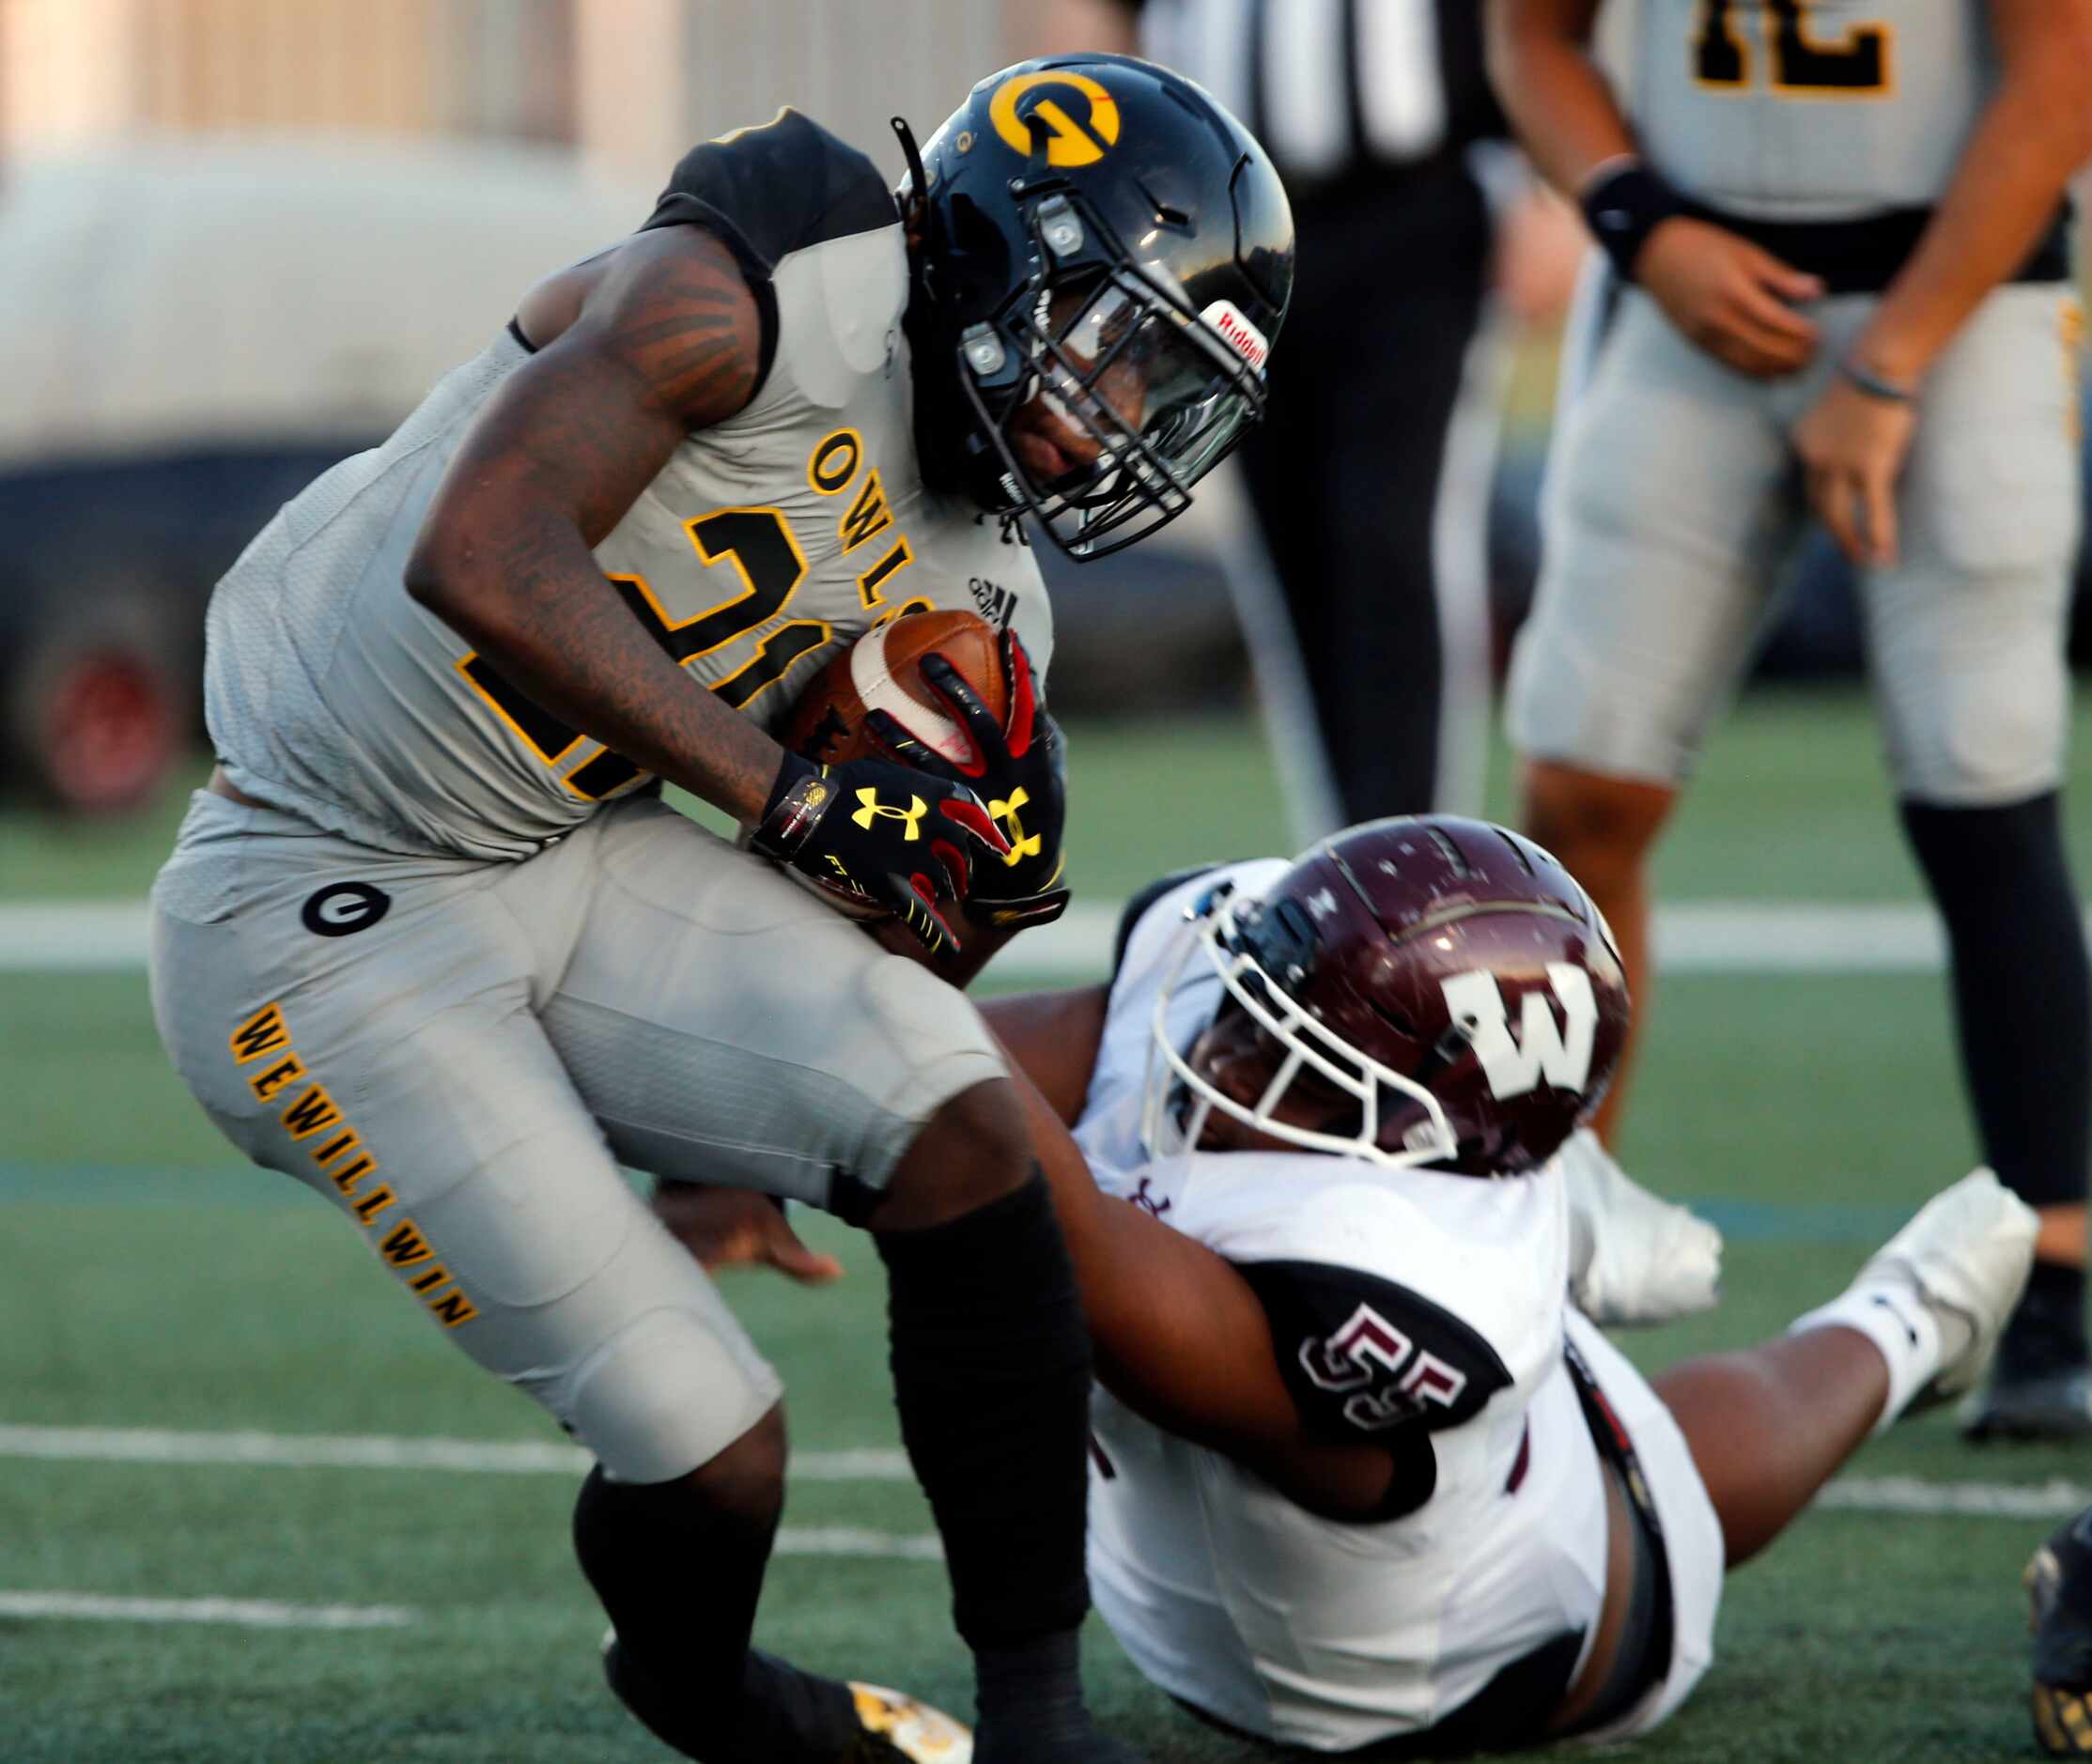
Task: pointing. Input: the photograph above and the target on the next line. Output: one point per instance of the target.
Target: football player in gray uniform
(430, 943)
(1834, 280)
(1367, 1478)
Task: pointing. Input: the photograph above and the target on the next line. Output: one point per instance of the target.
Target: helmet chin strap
(954, 456)
(917, 212)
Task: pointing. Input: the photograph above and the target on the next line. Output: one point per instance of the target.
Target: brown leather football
(882, 670)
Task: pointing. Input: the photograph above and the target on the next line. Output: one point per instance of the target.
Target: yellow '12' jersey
(1809, 110)
(765, 545)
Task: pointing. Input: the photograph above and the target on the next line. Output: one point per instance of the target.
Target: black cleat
(2058, 1584)
(2051, 1405)
(791, 1717)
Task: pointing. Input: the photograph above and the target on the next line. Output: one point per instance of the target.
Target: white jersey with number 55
(1809, 110)
(763, 546)
(1409, 1299)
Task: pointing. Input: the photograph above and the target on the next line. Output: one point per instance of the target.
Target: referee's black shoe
(2040, 1384)
(2051, 1405)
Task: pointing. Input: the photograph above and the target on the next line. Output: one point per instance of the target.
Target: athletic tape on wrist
(797, 802)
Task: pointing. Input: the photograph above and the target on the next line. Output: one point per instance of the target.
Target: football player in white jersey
(1365, 1476)
(1835, 280)
(430, 943)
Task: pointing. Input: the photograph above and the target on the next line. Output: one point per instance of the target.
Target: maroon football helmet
(1433, 990)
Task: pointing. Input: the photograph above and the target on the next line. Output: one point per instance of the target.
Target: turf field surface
(172, 1328)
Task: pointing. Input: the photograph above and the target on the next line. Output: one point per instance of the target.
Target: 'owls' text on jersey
(1810, 110)
(766, 543)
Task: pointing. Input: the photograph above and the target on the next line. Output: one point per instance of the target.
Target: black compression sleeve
(991, 1374)
(2022, 1007)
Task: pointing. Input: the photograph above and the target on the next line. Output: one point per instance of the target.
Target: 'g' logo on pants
(344, 908)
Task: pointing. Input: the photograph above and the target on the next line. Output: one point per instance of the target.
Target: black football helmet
(1105, 258)
(1421, 991)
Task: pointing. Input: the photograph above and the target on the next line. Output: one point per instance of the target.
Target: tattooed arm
(636, 347)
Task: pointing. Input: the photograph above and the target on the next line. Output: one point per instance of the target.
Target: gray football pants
(457, 1056)
(1674, 497)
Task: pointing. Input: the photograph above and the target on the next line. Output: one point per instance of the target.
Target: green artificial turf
(146, 1280)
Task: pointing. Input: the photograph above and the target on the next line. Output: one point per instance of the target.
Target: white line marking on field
(849, 1540)
(2053, 1500)
(70, 937)
(252, 1613)
(1697, 937)
(304, 1452)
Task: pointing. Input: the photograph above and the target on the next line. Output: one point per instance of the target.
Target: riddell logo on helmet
(1243, 338)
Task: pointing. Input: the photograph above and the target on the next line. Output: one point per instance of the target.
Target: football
(882, 670)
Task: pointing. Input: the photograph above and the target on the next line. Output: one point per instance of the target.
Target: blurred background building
(629, 83)
(243, 236)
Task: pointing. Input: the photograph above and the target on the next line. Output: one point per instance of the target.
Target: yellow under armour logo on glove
(1022, 844)
(874, 809)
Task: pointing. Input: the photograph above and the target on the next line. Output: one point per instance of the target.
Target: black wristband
(1624, 207)
(796, 800)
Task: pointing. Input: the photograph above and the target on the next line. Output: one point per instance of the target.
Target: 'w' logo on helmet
(874, 809)
(1543, 1049)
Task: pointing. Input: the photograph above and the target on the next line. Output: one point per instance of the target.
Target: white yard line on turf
(920, 1546)
(366, 1451)
(254, 1613)
(2053, 1500)
(1699, 937)
(271, 1614)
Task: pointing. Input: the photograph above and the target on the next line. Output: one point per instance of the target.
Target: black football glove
(1020, 766)
(881, 833)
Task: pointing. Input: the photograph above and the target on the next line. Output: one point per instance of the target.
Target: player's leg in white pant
(386, 1052)
(396, 1067)
(1668, 506)
(726, 1025)
(1967, 634)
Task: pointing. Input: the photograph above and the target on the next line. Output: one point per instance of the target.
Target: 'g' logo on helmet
(1069, 142)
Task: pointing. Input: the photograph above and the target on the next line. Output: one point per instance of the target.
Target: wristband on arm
(1877, 385)
(1624, 204)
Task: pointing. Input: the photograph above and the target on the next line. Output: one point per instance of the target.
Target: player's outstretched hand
(1634, 1258)
(1733, 299)
(726, 1228)
(1853, 444)
(881, 833)
(1021, 766)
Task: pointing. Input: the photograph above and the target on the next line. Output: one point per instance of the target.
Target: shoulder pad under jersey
(1363, 1355)
(1143, 903)
(768, 192)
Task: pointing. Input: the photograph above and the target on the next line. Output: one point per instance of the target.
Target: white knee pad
(667, 1395)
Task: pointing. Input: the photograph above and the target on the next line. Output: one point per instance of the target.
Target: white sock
(1902, 1328)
